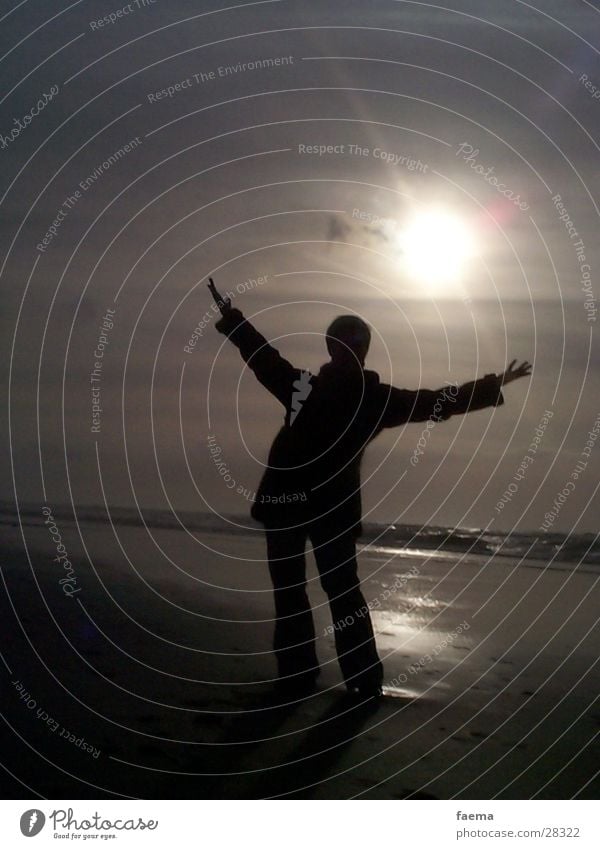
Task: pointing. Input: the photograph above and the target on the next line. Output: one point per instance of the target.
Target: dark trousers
(294, 641)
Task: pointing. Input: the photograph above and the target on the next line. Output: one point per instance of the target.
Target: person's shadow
(316, 752)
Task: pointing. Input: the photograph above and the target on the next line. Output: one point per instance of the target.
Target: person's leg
(353, 630)
(294, 640)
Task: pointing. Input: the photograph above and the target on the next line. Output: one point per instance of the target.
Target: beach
(150, 675)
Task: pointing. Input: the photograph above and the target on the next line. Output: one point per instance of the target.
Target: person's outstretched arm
(274, 372)
(404, 405)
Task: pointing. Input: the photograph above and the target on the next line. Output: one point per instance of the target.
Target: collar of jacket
(332, 371)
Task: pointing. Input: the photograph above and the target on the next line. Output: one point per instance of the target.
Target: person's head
(348, 339)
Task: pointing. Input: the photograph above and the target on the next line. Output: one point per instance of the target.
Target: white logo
(303, 388)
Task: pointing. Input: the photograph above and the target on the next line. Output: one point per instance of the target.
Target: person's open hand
(224, 304)
(511, 373)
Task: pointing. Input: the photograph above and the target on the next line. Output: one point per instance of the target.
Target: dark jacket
(313, 470)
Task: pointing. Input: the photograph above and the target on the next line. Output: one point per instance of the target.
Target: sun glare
(436, 245)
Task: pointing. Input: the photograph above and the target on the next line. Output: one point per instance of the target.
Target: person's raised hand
(511, 373)
(224, 304)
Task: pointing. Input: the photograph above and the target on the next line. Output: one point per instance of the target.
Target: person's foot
(365, 689)
(369, 691)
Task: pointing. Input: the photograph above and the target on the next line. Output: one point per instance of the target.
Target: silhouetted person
(311, 487)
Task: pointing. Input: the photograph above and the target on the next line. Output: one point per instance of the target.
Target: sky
(432, 168)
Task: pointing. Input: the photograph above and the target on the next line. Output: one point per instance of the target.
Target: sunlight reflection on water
(400, 692)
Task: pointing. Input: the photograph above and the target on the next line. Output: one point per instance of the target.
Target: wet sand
(153, 680)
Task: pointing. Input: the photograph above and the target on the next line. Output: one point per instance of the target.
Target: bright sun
(435, 245)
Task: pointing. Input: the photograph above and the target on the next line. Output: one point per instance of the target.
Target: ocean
(551, 550)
